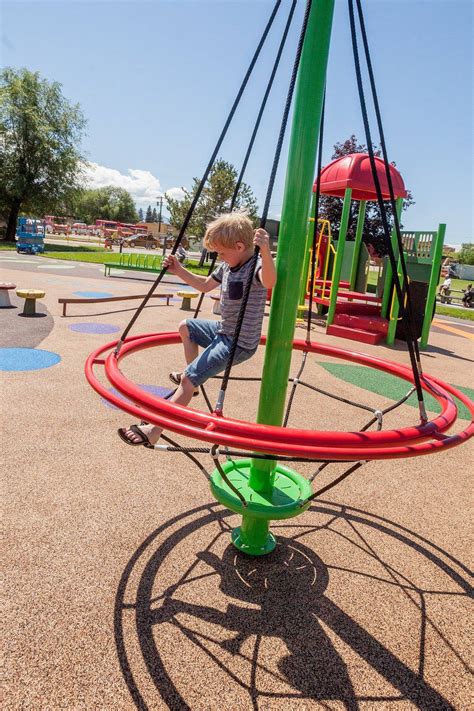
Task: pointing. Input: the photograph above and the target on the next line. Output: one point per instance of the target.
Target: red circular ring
(405, 442)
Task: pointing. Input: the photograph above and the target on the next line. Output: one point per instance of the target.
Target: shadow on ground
(18, 331)
(261, 629)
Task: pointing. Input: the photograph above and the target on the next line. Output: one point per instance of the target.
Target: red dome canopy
(353, 171)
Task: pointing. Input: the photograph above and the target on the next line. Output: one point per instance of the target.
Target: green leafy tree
(107, 203)
(466, 253)
(40, 161)
(330, 208)
(215, 199)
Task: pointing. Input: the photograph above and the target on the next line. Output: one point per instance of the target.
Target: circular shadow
(284, 628)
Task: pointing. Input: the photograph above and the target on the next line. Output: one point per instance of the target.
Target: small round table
(5, 286)
(30, 296)
(187, 296)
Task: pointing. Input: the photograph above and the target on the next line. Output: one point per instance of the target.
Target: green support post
(358, 242)
(437, 256)
(341, 242)
(393, 314)
(387, 291)
(273, 491)
(307, 254)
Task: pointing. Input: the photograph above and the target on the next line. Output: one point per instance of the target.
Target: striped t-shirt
(233, 281)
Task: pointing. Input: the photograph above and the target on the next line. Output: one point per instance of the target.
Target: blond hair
(229, 229)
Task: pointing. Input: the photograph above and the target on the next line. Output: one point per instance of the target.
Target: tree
(40, 162)
(149, 214)
(154, 215)
(330, 208)
(215, 199)
(466, 253)
(107, 203)
(140, 215)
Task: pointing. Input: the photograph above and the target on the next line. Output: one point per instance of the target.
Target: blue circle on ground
(12, 359)
(152, 389)
(94, 328)
(93, 294)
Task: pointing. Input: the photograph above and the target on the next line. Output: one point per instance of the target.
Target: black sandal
(176, 380)
(144, 441)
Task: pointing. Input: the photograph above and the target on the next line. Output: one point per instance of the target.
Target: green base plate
(286, 499)
(250, 548)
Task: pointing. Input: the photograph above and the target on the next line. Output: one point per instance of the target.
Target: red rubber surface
(406, 442)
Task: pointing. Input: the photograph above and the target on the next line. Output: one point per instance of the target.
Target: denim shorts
(213, 359)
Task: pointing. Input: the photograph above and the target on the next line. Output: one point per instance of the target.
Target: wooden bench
(67, 301)
(30, 296)
(5, 287)
(446, 299)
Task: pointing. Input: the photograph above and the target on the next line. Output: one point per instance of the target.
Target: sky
(156, 80)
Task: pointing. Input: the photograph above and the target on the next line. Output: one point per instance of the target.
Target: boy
(233, 238)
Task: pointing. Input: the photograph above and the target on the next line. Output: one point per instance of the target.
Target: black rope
(386, 230)
(253, 136)
(205, 176)
(296, 380)
(388, 176)
(175, 447)
(253, 264)
(214, 455)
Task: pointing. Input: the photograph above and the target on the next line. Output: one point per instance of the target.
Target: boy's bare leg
(191, 349)
(182, 396)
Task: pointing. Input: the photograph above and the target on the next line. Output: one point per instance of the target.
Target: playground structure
(340, 286)
(259, 487)
(29, 236)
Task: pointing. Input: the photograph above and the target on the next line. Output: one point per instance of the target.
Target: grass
(463, 313)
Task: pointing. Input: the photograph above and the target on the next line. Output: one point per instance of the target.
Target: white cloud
(175, 193)
(143, 186)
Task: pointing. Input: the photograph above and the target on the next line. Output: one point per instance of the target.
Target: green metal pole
(393, 315)
(433, 285)
(341, 243)
(307, 254)
(387, 289)
(252, 536)
(358, 242)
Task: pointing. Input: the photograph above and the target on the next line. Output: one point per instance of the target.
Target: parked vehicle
(80, 228)
(29, 236)
(143, 240)
(56, 225)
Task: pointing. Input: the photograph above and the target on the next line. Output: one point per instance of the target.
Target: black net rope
(253, 136)
(406, 311)
(200, 188)
(276, 160)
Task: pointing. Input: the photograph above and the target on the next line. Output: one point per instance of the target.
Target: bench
(136, 263)
(5, 287)
(30, 296)
(187, 296)
(447, 299)
(67, 301)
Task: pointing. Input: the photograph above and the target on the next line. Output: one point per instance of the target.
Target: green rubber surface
(389, 386)
(290, 489)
